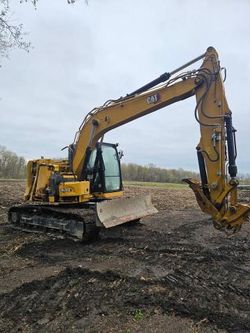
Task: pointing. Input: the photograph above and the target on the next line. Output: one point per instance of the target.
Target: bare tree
(151, 173)
(11, 34)
(11, 165)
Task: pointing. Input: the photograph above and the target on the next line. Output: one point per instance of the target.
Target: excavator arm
(216, 194)
(216, 151)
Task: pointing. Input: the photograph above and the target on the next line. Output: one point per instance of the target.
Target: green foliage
(11, 165)
(134, 172)
(138, 315)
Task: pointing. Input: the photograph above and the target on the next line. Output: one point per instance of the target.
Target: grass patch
(153, 184)
(138, 315)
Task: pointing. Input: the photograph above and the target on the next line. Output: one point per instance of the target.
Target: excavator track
(73, 222)
(82, 222)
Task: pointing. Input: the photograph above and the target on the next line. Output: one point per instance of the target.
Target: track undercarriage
(73, 222)
(81, 221)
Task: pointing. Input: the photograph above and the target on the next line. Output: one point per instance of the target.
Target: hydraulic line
(164, 77)
(203, 173)
(232, 167)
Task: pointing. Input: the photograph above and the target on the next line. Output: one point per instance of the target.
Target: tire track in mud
(174, 263)
(144, 244)
(168, 274)
(58, 302)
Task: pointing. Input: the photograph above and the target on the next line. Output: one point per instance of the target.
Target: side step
(118, 211)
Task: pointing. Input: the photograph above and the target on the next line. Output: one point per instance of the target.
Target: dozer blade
(119, 211)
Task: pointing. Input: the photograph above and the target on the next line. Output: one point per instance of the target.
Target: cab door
(104, 170)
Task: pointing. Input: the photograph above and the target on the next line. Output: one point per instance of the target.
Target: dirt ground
(171, 272)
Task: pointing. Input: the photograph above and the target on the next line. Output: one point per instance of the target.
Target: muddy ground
(170, 273)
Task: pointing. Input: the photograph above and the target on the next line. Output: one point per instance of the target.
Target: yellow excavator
(80, 195)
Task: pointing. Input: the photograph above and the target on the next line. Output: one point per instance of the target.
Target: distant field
(126, 183)
(153, 184)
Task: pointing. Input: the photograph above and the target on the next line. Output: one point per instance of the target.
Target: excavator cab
(103, 169)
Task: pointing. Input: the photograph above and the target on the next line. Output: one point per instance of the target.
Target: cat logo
(152, 99)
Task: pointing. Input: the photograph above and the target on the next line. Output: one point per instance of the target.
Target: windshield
(112, 168)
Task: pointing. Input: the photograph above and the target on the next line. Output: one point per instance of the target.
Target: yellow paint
(81, 190)
(111, 195)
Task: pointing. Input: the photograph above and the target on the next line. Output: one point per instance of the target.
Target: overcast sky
(83, 55)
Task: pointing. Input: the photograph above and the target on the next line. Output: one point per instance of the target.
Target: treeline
(11, 165)
(244, 179)
(151, 173)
